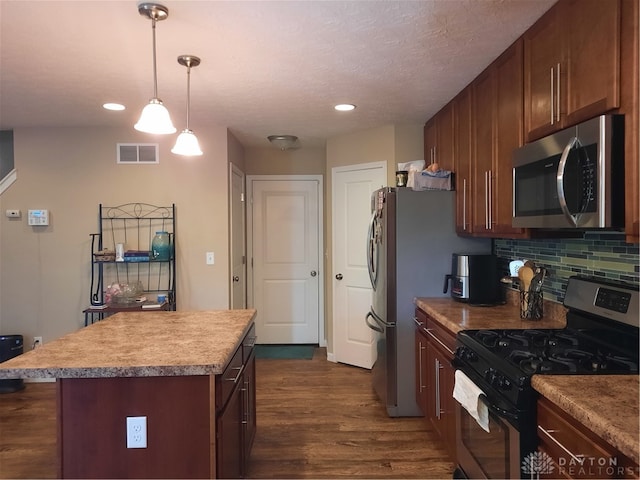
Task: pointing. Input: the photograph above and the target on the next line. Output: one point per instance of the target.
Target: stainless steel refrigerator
(410, 242)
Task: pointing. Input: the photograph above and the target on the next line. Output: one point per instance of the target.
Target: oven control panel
(618, 302)
(613, 300)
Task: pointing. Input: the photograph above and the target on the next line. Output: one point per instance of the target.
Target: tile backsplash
(599, 254)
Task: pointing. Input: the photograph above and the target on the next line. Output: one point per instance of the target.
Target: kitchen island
(165, 366)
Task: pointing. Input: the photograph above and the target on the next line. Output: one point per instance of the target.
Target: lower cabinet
(435, 377)
(570, 450)
(236, 412)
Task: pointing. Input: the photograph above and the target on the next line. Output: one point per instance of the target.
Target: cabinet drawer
(441, 336)
(420, 318)
(575, 450)
(227, 381)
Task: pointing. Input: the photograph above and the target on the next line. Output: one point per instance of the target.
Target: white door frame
(322, 339)
(234, 243)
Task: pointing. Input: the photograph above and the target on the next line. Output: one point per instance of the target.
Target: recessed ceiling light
(345, 107)
(113, 106)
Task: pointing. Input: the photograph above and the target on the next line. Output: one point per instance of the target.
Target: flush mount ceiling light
(187, 142)
(155, 116)
(283, 142)
(345, 107)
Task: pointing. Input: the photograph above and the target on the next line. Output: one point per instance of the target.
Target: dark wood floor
(316, 419)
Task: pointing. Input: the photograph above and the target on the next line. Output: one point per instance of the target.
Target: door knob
(339, 276)
(236, 278)
(313, 273)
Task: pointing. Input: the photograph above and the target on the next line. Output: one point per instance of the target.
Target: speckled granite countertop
(580, 396)
(139, 344)
(606, 404)
(458, 316)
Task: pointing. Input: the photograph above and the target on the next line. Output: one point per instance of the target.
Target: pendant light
(155, 116)
(187, 143)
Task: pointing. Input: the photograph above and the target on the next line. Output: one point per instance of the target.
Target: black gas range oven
(601, 337)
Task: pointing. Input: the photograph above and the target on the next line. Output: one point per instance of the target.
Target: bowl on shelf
(124, 293)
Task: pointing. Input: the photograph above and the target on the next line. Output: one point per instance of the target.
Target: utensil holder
(531, 305)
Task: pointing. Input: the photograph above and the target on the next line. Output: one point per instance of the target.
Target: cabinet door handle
(558, 90)
(464, 204)
(447, 349)
(551, 102)
(237, 377)
(245, 393)
(547, 433)
(437, 385)
(486, 199)
(489, 211)
(421, 348)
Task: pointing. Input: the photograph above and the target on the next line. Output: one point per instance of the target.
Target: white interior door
(352, 186)
(237, 242)
(286, 252)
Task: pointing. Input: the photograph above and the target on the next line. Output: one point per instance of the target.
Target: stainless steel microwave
(573, 178)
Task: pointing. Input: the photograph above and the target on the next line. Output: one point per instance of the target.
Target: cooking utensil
(525, 274)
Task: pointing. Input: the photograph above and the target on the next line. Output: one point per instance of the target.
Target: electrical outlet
(136, 432)
(210, 258)
(37, 342)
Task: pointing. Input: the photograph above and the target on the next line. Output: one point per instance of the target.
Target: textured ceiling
(268, 67)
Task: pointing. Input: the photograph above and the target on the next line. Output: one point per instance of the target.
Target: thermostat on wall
(39, 217)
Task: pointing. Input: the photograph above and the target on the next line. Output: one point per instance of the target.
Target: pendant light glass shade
(187, 144)
(155, 116)
(155, 119)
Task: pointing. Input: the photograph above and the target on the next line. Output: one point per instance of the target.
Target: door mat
(299, 352)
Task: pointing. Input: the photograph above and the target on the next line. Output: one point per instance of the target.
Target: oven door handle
(501, 412)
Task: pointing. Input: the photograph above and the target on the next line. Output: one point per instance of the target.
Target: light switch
(210, 258)
(12, 213)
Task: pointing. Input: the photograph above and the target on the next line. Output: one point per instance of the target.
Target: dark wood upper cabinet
(571, 65)
(438, 139)
(497, 131)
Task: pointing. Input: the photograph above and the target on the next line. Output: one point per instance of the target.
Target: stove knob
(502, 383)
(490, 375)
(470, 355)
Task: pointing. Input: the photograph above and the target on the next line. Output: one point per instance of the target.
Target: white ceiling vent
(138, 153)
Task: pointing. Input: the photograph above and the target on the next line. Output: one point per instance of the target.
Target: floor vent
(138, 153)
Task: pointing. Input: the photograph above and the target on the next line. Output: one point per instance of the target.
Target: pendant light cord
(155, 72)
(188, 92)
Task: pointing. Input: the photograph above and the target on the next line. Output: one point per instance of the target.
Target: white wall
(45, 271)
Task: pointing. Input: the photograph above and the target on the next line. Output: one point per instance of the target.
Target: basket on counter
(104, 256)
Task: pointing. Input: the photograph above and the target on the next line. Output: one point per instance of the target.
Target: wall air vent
(138, 153)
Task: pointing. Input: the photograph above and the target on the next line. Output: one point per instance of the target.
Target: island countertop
(139, 344)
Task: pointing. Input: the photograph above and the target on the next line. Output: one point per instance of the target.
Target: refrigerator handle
(370, 251)
(375, 327)
(447, 278)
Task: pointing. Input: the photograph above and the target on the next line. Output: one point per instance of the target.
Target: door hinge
(242, 196)
(244, 260)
